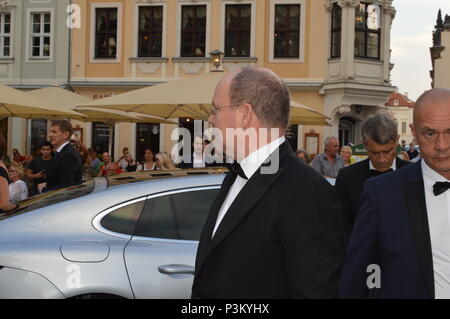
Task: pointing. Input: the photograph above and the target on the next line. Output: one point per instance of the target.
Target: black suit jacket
(391, 231)
(282, 237)
(65, 169)
(349, 185)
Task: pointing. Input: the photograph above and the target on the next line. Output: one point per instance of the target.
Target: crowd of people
(28, 176)
(381, 232)
(334, 157)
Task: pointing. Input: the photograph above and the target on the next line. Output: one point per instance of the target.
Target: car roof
(133, 177)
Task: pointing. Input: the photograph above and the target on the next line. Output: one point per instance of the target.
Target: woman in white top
(18, 190)
(149, 163)
(122, 162)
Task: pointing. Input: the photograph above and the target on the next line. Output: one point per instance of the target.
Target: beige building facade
(334, 56)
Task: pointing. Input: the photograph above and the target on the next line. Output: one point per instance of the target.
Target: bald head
(429, 99)
(265, 91)
(431, 129)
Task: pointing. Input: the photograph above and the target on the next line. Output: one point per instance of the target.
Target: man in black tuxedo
(274, 230)
(380, 138)
(402, 232)
(66, 167)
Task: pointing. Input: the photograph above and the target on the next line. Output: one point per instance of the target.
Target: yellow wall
(315, 53)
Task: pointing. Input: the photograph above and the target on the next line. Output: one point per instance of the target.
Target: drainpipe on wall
(69, 66)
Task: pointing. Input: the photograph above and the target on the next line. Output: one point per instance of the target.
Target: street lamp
(216, 57)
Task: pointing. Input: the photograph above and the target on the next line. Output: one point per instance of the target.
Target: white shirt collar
(62, 146)
(430, 176)
(393, 166)
(251, 163)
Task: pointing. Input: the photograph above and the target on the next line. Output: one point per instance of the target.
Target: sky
(411, 39)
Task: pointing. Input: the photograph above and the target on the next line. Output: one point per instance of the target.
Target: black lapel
(366, 173)
(363, 175)
(401, 163)
(210, 223)
(417, 211)
(252, 192)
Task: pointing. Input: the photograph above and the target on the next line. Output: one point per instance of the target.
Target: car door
(160, 257)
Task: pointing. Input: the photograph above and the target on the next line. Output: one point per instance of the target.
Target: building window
(403, 127)
(287, 31)
(103, 137)
(193, 31)
(5, 35)
(106, 33)
(150, 31)
(367, 31)
(336, 28)
(41, 35)
(238, 30)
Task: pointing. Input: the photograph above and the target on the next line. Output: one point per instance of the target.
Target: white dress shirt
(249, 165)
(394, 165)
(438, 211)
(62, 146)
(198, 161)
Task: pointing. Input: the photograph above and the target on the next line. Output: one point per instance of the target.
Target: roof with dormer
(399, 100)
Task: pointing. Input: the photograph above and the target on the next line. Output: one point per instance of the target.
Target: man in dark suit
(380, 138)
(400, 245)
(274, 230)
(66, 167)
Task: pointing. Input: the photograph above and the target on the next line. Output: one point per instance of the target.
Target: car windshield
(51, 198)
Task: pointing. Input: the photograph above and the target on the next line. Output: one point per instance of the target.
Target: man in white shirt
(380, 138)
(275, 228)
(400, 245)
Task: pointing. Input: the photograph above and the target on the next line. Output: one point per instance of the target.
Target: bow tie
(375, 173)
(236, 170)
(440, 187)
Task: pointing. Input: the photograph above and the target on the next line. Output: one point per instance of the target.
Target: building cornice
(358, 88)
(111, 84)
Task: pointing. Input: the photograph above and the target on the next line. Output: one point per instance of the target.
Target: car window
(157, 219)
(177, 216)
(51, 198)
(124, 219)
(191, 210)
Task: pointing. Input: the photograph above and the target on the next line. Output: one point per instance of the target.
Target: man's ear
(413, 131)
(246, 114)
(67, 135)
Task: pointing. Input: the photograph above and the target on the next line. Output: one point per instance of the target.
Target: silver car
(126, 236)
